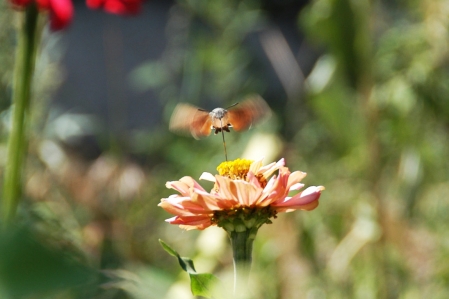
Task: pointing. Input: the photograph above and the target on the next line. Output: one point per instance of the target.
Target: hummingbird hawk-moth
(199, 123)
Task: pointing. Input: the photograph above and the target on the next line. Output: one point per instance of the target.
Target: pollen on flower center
(235, 170)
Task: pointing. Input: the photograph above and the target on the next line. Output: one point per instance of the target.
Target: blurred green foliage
(28, 267)
(7, 51)
(369, 122)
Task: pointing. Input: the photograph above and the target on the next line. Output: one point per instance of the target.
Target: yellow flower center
(235, 170)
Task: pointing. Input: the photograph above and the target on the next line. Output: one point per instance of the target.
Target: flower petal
(252, 179)
(189, 181)
(61, 13)
(255, 166)
(238, 192)
(276, 188)
(191, 222)
(269, 169)
(306, 200)
(207, 177)
(174, 206)
(178, 186)
(294, 178)
(246, 193)
(121, 7)
(227, 198)
(296, 186)
(185, 185)
(205, 200)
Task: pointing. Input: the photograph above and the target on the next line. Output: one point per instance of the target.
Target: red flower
(119, 7)
(61, 11)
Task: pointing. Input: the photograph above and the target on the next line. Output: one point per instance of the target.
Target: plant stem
(242, 247)
(17, 143)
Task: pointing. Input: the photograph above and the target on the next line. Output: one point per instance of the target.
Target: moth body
(219, 120)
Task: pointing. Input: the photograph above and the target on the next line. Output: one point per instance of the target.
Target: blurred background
(360, 95)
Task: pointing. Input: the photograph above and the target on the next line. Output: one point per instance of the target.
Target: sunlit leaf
(203, 284)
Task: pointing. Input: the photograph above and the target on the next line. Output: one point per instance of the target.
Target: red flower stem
(242, 247)
(17, 143)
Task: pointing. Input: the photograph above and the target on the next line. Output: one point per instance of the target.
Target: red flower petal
(94, 4)
(61, 13)
(119, 7)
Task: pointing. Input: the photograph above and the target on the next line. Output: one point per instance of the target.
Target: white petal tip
(207, 177)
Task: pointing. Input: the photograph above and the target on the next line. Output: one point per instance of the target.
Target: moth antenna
(235, 104)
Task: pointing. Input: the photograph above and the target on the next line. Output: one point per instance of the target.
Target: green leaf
(167, 248)
(203, 284)
(187, 265)
(185, 262)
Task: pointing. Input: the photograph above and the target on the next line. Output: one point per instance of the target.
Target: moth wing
(251, 111)
(201, 124)
(190, 120)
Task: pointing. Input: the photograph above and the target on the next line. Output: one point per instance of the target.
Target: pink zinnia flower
(245, 196)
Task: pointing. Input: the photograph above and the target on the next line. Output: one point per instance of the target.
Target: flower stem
(242, 247)
(17, 143)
